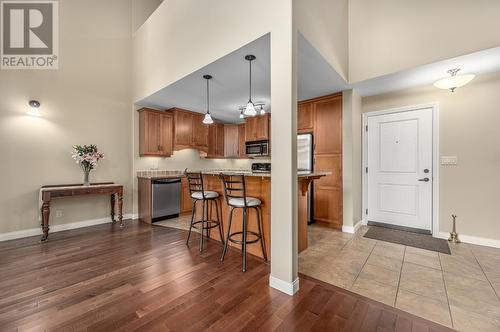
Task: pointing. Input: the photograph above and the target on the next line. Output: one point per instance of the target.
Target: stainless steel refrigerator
(305, 164)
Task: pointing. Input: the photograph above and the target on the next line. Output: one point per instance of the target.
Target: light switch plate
(449, 160)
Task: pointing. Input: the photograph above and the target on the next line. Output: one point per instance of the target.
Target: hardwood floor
(144, 277)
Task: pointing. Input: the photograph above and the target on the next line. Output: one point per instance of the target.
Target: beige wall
(324, 23)
(351, 158)
(86, 101)
(387, 36)
(141, 10)
(469, 121)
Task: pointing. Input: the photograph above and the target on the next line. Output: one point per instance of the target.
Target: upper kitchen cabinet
(305, 117)
(257, 128)
(155, 133)
(189, 130)
(215, 141)
(231, 141)
(328, 125)
(241, 141)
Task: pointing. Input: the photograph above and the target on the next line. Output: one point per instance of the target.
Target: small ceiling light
(250, 108)
(208, 118)
(262, 110)
(241, 114)
(34, 108)
(454, 81)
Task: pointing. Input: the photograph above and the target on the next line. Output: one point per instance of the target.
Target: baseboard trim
(472, 240)
(58, 228)
(352, 229)
(289, 288)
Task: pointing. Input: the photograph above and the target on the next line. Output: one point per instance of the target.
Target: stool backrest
(234, 186)
(195, 182)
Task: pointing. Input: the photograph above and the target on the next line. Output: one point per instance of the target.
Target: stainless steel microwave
(257, 149)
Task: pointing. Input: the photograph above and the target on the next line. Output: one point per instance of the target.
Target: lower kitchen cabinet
(186, 201)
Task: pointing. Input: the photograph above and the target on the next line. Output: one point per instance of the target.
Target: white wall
(387, 36)
(141, 10)
(324, 23)
(86, 101)
(469, 121)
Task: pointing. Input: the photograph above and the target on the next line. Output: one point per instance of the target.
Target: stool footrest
(241, 241)
(212, 224)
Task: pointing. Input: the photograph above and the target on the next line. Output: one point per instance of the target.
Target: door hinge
(366, 169)
(366, 128)
(366, 211)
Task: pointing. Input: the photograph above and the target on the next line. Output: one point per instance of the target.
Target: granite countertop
(160, 174)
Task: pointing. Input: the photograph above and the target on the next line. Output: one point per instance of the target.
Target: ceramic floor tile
(336, 276)
(463, 266)
(472, 294)
(423, 281)
(375, 291)
(380, 275)
(425, 307)
(386, 262)
(424, 260)
(468, 321)
(389, 249)
(460, 249)
(423, 252)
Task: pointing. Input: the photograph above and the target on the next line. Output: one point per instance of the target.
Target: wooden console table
(48, 193)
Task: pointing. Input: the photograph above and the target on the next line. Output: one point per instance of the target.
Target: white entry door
(400, 168)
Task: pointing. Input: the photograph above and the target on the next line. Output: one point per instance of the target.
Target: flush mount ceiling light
(34, 108)
(208, 118)
(454, 81)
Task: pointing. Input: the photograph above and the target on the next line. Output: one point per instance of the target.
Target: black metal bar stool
(198, 193)
(236, 198)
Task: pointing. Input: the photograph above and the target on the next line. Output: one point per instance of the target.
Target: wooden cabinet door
(250, 129)
(212, 141)
(166, 133)
(328, 206)
(305, 117)
(328, 125)
(183, 122)
(262, 128)
(220, 141)
(241, 141)
(200, 133)
(231, 141)
(186, 201)
(150, 135)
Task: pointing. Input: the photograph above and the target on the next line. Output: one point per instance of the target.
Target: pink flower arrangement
(87, 156)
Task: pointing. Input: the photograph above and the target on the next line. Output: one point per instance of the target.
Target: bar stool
(198, 193)
(236, 198)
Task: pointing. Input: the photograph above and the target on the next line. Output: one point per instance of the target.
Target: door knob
(424, 180)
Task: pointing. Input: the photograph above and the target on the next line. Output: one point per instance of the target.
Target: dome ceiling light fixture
(208, 118)
(454, 81)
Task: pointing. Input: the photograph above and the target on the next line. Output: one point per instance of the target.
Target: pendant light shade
(262, 110)
(241, 114)
(250, 108)
(208, 118)
(454, 81)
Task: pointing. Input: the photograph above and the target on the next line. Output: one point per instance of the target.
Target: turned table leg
(113, 208)
(45, 220)
(120, 208)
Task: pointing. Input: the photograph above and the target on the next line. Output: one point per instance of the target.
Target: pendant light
(241, 114)
(208, 118)
(262, 110)
(250, 108)
(454, 81)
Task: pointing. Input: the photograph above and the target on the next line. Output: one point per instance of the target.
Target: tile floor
(460, 290)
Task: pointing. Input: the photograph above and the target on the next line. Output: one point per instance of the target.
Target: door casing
(435, 158)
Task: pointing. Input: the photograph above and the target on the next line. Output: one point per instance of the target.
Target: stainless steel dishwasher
(166, 198)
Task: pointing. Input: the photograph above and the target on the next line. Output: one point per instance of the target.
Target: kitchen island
(258, 185)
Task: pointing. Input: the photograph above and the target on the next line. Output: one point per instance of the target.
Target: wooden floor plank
(145, 278)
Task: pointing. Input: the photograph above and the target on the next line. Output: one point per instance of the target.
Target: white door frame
(435, 158)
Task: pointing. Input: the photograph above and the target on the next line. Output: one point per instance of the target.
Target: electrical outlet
(58, 213)
(449, 160)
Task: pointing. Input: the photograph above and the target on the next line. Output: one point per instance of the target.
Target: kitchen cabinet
(215, 141)
(305, 117)
(186, 201)
(325, 114)
(241, 141)
(231, 141)
(190, 131)
(257, 128)
(155, 133)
